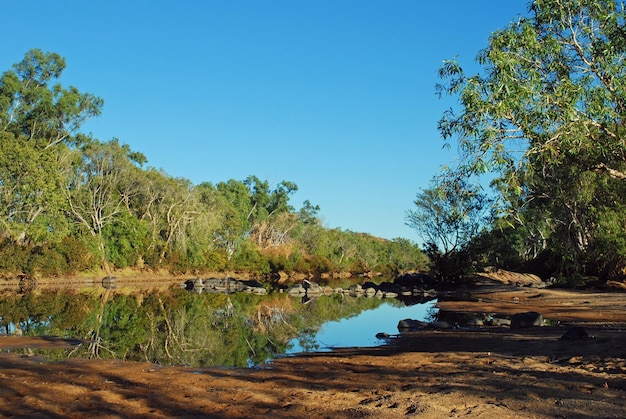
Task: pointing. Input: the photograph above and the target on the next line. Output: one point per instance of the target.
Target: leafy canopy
(545, 119)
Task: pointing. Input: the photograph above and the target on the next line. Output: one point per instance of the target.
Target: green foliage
(50, 313)
(501, 246)
(46, 261)
(126, 240)
(68, 256)
(177, 327)
(69, 202)
(126, 325)
(43, 113)
(38, 122)
(13, 258)
(544, 119)
(403, 255)
(448, 216)
(248, 257)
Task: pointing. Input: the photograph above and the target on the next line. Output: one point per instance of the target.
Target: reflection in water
(360, 330)
(176, 327)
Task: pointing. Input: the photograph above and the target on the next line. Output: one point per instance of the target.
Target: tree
(96, 188)
(448, 215)
(545, 116)
(31, 204)
(236, 211)
(39, 122)
(46, 114)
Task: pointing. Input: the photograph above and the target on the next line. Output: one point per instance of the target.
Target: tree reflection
(176, 327)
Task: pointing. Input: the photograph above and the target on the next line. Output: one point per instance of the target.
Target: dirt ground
(478, 372)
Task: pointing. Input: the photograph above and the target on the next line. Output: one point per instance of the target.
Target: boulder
(388, 287)
(312, 288)
(370, 284)
(413, 279)
(109, 282)
(525, 320)
(440, 324)
(355, 290)
(512, 278)
(575, 333)
(297, 291)
(407, 325)
(497, 321)
(474, 321)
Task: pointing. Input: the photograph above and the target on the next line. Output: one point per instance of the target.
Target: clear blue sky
(334, 95)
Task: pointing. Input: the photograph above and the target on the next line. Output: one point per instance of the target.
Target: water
(361, 330)
(176, 327)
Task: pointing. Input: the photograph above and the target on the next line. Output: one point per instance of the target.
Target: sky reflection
(361, 330)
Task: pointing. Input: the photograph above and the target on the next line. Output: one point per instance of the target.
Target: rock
(370, 284)
(109, 282)
(382, 335)
(254, 287)
(440, 324)
(575, 333)
(430, 293)
(525, 320)
(512, 278)
(223, 285)
(407, 325)
(355, 290)
(474, 322)
(388, 287)
(414, 279)
(297, 291)
(496, 321)
(312, 288)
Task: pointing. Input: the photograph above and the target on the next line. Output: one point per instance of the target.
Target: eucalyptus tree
(236, 213)
(170, 210)
(146, 207)
(271, 214)
(545, 116)
(39, 123)
(176, 209)
(43, 113)
(31, 205)
(402, 255)
(303, 226)
(257, 211)
(447, 216)
(96, 189)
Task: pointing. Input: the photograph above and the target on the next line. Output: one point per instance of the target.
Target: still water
(361, 329)
(177, 327)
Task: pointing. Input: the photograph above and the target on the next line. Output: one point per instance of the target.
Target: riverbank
(483, 372)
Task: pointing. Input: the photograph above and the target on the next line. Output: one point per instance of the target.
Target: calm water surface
(361, 330)
(177, 327)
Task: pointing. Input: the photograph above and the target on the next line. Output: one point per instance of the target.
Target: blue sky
(336, 96)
